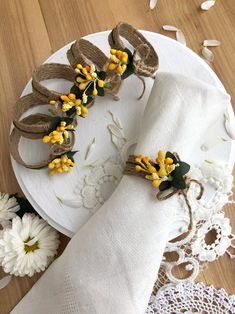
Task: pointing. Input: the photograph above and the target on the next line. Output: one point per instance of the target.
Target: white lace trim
(191, 298)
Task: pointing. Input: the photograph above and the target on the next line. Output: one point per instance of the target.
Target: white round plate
(45, 193)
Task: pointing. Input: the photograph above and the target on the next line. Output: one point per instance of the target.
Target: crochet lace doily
(191, 298)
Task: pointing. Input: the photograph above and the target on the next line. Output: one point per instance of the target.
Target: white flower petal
(207, 54)
(116, 131)
(74, 203)
(170, 28)
(180, 37)
(229, 127)
(211, 43)
(206, 5)
(90, 149)
(116, 120)
(13, 255)
(152, 4)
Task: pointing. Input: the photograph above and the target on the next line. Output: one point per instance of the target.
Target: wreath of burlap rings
(144, 61)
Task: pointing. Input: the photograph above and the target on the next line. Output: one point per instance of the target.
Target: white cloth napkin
(111, 264)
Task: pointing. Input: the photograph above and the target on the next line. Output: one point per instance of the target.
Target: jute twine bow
(164, 195)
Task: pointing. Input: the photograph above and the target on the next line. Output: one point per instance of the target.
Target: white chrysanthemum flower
(8, 207)
(28, 246)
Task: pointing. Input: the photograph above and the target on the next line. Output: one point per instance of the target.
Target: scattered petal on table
(115, 119)
(206, 5)
(170, 28)
(230, 129)
(74, 203)
(152, 4)
(207, 54)
(211, 43)
(5, 281)
(113, 129)
(90, 149)
(180, 37)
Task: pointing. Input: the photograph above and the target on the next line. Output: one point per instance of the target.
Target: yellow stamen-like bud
(112, 66)
(82, 86)
(84, 110)
(138, 168)
(101, 83)
(72, 96)
(46, 139)
(52, 102)
(119, 70)
(51, 165)
(156, 183)
(95, 92)
(162, 172)
(78, 101)
(168, 161)
(113, 51)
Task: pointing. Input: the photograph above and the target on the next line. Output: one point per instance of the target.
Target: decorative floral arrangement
(167, 171)
(93, 75)
(27, 243)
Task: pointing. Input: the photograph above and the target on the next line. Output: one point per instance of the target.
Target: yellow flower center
(30, 245)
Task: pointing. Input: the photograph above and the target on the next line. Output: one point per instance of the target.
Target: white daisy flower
(8, 207)
(28, 246)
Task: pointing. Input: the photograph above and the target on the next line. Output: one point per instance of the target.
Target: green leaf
(90, 89)
(54, 123)
(71, 154)
(129, 71)
(67, 120)
(71, 111)
(184, 167)
(165, 185)
(101, 75)
(100, 91)
(75, 90)
(178, 183)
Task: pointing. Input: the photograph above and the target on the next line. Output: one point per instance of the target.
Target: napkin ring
(167, 173)
(93, 74)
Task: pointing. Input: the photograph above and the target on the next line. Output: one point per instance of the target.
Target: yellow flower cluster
(60, 165)
(86, 76)
(59, 135)
(70, 101)
(156, 173)
(118, 61)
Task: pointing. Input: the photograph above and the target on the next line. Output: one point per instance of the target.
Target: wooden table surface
(31, 30)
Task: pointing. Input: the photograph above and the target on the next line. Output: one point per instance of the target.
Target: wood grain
(31, 30)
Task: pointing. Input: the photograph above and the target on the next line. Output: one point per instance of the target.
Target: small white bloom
(28, 246)
(8, 207)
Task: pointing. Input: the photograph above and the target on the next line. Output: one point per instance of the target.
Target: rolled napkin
(111, 264)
